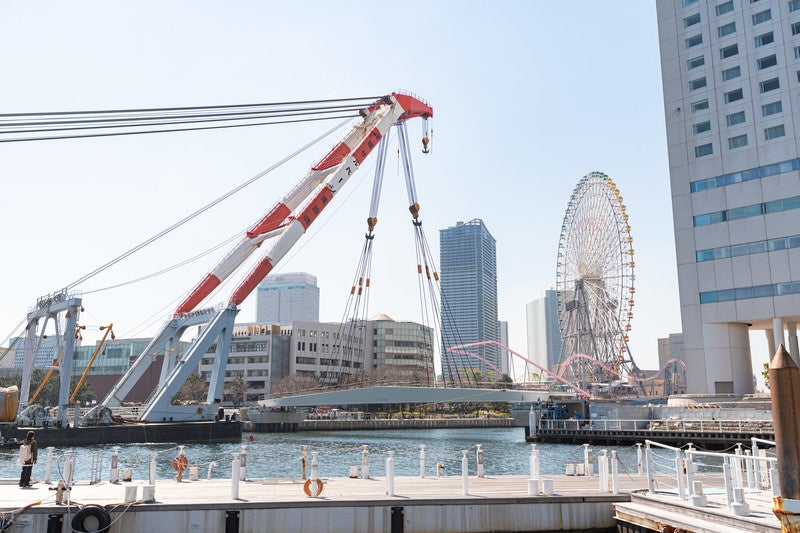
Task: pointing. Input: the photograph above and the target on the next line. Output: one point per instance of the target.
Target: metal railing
(662, 425)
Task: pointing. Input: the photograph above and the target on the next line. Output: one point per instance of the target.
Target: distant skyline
(528, 97)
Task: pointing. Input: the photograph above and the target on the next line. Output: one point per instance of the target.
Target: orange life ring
(307, 487)
(199, 410)
(180, 463)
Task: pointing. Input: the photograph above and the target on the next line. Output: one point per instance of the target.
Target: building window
(731, 73)
(703, 150)
(769, 85)
(766, 62)
(694, 40)
(797, 52)
(702, 127)
(765, 38)
(771, 108)
(691, 20)
(727, 51)
(737, 142)
(794, 5)
(726, 29)
(772, 169)
(699, 83)
(732, 96)
(795, 28)
(700, 105)
(762, 16)
(774, 132)
(687, 3)
(696, 62)
(725, 7)
(735, 118)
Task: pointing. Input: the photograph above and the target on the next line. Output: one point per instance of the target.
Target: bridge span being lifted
(389, 395)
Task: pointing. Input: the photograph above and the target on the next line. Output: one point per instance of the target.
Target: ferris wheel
(594, 283)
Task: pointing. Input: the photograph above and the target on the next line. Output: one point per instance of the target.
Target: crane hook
(425, 142)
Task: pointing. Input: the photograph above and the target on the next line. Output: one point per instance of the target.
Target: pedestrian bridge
(388, 395)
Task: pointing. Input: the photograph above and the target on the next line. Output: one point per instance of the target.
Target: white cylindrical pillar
(479, 461)
(639, 458)
(211, 467)
(464, 473)
(243, 463)
(314, 474)
(152, 469)
(113, 476)
(771, 347)
(791, 333)
(364, 461)
(614, 473)
(390, 473)
(422, 461)
(303, 461)
(49, 469)
(235, 477)
(777, 332)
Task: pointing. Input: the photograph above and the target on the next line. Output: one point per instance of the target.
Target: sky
(528, 97)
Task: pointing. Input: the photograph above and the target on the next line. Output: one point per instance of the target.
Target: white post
(113, 476)
(390, 473)
(614, 473)
(243, 463)
(464, 473)
(364, 461)
(602, 470)
(649, 469)
(587, 459)
(534, 462)
(690, 472)
(153, 456)
(773, 480)
(68, 468)
(211, 466)
(639, 457)
(756, 464)
(303, 462)
(679, 474)
(748, 463)
(314, 473)
(726, 473)
(49, 464)
(479, 461)
(422, 461)
(235, 476)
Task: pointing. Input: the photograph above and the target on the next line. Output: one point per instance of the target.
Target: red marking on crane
(333, 158)
(413, 107)
(315, 207)
(270, 221)
(210, 283)
(367, 145)
(251, 281)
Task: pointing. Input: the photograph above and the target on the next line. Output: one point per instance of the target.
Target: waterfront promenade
(491, 503)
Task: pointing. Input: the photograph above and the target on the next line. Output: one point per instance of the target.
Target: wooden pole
(784, 382)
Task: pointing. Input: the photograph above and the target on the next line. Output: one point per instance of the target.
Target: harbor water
(279, 455)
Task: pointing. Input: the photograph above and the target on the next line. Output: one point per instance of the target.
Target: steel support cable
(168, 118)
(172, 130)
(203, 209)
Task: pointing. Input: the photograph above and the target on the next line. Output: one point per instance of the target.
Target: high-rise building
(544, 335)
(406, 347)
(731, 91)
(468, 264)
(284, 298)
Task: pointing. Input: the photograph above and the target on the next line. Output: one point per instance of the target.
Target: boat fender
(307, 487)
(91, 518)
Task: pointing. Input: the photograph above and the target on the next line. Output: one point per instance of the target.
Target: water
(278, 455)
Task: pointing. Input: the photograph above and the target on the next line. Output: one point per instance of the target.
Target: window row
(748, 248)
(744, 293)
(745, 175)
(771, 108)
(764, 208)
(738, 141)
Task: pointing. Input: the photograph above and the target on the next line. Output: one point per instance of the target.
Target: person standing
(28, 456)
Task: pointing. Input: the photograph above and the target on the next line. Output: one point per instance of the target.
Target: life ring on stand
(91, 518)
(180, 463)
(307, 487)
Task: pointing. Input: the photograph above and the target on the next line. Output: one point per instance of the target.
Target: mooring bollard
(113, 475)
(422, 461)
(739, 507)
(698, 498)
(479, 461)
(314, 472)
(153, 457)
(390, 473)
(235, 476)
(49, 469)
(464, 473)
(243, 463)
(364, 461)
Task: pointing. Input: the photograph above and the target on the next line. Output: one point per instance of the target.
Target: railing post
(390, 473)
(679, 474)
(464, 473)
(756, 463)
(364, 461)
(152, 469)
(748, 463)
(690, 472)
(614, 473)
(49, 469)
(479, 461)
(422, 461)
(235, 476)
(649, 469)
(314, 473)
(211, 466)
(243, 463)
(303, 461)
(774, 480)
(639, 458)
(534, 462)
(726, 474)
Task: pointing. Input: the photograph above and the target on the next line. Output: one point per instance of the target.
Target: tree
(194, 390)
(765, 373)
(294, 384)
(235, 391)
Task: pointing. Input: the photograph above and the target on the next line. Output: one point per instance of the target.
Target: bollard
(303, 462)
(533, 487)
(639, 458)
(422, 461)
(113, 476)
(784, 381)
(235, 477)
(314, 472)
(149, 493)
(364, 461)
(153, 456)
(614, 473)
(49, 464)
(194, 473)
(479, 461)
(61, 487)
(698, 499)
(739, 506)
(130, 493)
(243, 463)
(390, 473)
(211, 467)
(464, 473)
(547, 487)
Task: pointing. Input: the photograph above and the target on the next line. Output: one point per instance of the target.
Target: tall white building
(731, 81)
(544, 335)
(284, 298)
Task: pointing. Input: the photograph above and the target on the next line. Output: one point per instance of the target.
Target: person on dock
(28, 454)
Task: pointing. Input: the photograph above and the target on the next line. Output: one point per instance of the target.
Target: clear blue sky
(528, 97)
